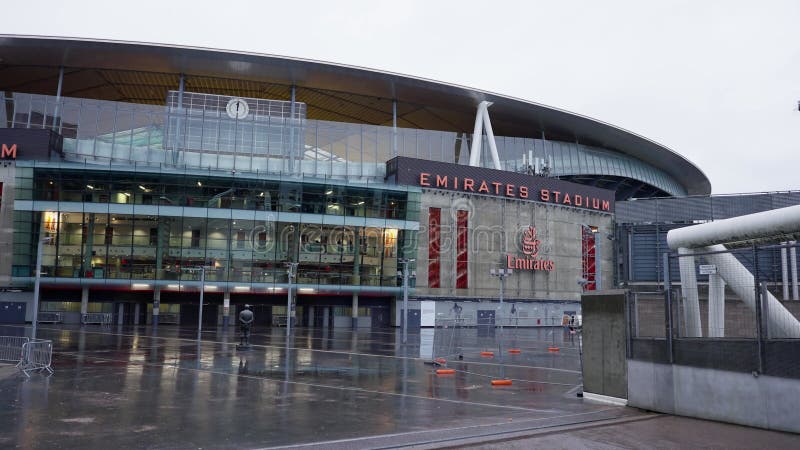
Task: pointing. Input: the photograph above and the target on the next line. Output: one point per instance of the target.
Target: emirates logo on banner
(531, 260)
(530, 245)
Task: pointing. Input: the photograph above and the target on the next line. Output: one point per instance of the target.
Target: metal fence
(97, 318)
(11, 348)
(37, 356)
(50, 317)
(719, 316)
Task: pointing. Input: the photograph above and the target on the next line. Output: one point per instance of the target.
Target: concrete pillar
(226, 308)
(691, 303)
(137, 310)
(355, 310)
(310, 316)
(156, 304)
(326, 310)
(84, 300)
(716, 306)
(120, 313)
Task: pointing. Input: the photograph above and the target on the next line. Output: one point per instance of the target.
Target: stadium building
(145, 173)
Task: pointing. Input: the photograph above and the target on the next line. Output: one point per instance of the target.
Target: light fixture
(144, 188)
(261, 194)
(306, 290)
(360, 203)
(241, 288)
(329, 192)
(199, 184)
(126, 194)
(90, 186)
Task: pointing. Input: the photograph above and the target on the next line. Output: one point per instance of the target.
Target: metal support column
(226, 307)
(716, 306)
(691, 302)
(84, 300)
(156, 304)
(394, 127)
(405, 262)
(291, 132)
(785, 271)
(354, 314)
(38, 276)
(200, 311)
(759, 311)
(57, 112)
(793, 265)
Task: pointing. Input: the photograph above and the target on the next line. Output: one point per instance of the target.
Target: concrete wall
(763, 401)
(495, 229)
(604, 343)
(26, 297)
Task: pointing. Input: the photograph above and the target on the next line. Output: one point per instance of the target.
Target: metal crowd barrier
(97, 318)
(37, 355)
(50, 317)
(11, 348)
(168, 318)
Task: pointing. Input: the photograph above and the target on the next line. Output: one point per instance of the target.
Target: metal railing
(11, 348)
(50, 317)
(96, 319)
(37, 356)
(168, 318)
(735, 323)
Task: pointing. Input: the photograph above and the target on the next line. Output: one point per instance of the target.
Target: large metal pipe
(764, 225)
(477, 137)
(487, 124)
(781, 322)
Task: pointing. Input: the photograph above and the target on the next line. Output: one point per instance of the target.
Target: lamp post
(202, 291)
(39, 251)
(291, 270)
(501, 274)
(202, 270)
(405, 262)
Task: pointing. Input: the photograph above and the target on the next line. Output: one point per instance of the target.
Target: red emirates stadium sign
(497, 183)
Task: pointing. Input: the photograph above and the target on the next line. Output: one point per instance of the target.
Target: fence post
(765, 313)
(759, 328)
(668, 307)
(629, 319)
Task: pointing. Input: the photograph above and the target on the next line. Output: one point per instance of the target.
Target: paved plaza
(142, 387)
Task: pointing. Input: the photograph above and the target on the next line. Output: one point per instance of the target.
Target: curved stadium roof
(143, 73)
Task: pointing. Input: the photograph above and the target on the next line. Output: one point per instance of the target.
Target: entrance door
(486, 322)
(414, 318)
(12, 312)
(189, 315)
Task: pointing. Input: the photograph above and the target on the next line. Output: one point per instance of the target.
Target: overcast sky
(716, 81)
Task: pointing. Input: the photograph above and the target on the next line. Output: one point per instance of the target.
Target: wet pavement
(140, 387)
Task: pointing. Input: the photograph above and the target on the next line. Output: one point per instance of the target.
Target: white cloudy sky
(717, 81)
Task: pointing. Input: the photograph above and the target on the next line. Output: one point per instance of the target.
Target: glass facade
(192, 134)
(158, 228)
